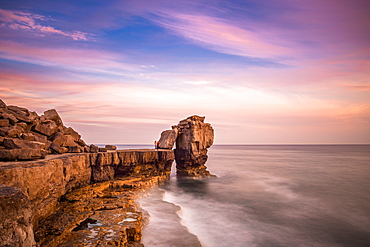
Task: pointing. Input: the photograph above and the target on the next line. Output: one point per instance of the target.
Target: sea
(266, 195)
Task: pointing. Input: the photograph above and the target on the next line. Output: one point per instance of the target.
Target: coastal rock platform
(69, 197)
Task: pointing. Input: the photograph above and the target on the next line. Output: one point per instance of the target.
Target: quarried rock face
(194, 137)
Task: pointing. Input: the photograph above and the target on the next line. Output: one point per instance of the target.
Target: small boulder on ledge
(110, 147)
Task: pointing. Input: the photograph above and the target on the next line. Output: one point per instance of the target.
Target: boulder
(69, 141)
(81, 142)
(58, 138)
(103, 150)
(21, 126)
(4, 114)
(168, 138)
(2, 104)
(73, 133)
(94, 149)
(4, 122)
(28, 136)
(47, 127)
(22, 154)
(13, 143)
(54, 116)
(40, 137)
(75, 149)
(110, 147)
(58, 149)
(22, 114)
(10, 132)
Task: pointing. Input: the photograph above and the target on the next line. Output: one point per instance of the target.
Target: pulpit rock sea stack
(193, 137)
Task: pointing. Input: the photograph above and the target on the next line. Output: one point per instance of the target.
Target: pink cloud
(221, 35)
(18, 20)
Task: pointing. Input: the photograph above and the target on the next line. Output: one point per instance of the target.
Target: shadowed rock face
(193, 137)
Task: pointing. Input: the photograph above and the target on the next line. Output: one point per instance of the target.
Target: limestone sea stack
(193, 137)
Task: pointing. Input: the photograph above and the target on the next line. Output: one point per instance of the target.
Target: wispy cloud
(23, 21)
(220, 35)
(82, 60)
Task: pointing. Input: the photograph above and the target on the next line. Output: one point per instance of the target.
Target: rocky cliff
(193, 137)
(54, 196)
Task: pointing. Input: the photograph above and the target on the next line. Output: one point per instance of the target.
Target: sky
(261, 72)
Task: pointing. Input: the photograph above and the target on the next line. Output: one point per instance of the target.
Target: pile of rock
(24, 135)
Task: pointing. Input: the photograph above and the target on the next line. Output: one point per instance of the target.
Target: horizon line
(249, 144)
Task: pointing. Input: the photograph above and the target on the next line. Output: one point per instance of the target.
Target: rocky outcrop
(193, 137)
(43, 186)
(24, 135)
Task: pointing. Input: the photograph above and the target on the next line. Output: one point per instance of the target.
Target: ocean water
(276, 195)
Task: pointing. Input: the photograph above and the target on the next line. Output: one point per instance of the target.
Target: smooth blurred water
(267, 196)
